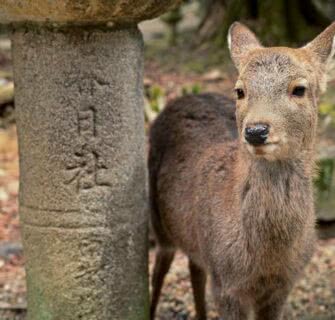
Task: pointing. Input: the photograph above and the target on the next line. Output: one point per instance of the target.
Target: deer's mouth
(266, 150)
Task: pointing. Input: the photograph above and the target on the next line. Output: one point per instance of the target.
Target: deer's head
(277, 92)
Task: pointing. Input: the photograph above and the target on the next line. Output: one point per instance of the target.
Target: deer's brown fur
(243, 214)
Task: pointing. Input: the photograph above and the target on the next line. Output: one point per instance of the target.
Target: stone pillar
(78, 96)
(82, 200)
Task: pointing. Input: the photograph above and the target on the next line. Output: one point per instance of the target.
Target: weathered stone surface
(82, 188)
(82, 11)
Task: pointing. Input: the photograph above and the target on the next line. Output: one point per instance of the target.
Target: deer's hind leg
(164, 258)
(198, 280)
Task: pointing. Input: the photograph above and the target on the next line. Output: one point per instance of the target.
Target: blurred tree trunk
(276, 21)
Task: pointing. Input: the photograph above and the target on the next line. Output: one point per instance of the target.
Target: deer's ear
(240, 42)
(323, 46)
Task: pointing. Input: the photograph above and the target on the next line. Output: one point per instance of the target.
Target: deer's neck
(275, 199)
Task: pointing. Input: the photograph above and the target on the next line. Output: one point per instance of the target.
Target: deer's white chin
(267, 151)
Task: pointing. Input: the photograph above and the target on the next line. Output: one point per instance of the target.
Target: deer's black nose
(256, 134)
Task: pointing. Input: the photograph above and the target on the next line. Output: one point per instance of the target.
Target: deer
(231, 182)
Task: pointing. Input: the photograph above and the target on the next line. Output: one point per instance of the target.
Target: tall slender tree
(277, 21)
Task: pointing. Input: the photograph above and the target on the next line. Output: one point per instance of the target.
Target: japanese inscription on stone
(87, 166)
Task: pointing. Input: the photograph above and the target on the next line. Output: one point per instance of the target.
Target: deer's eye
(239, 93)
(299, 91)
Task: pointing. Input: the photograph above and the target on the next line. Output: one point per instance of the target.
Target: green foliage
(193, 89)
(323, 182)
(155, 99)
(327, 108)
(325, 189)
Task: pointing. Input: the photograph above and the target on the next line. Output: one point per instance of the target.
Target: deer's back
(202, 119)
(189, 143)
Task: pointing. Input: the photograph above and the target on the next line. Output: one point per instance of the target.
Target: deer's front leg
(271, 306)
(230, 307)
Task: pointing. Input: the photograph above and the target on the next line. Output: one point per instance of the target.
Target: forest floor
(172, 71)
